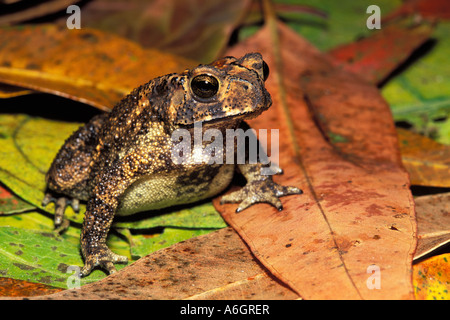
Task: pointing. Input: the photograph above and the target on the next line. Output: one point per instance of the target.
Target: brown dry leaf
(86, 65)
(26, 11)
(427, 161)
(197, 29)
(214, 266)
(338, 143)
(433, 222)
(20, 288)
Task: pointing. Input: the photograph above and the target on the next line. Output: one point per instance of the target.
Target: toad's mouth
(226, 120)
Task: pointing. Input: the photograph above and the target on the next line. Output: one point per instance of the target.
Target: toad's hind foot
(61, 204)
(260, 191)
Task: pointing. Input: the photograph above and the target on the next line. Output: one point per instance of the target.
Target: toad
(121, 162)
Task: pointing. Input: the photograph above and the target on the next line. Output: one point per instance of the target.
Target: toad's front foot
(260, 191)
(101, 256)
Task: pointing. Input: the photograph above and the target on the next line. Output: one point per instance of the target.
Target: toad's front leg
(259, 188)
(100, 212)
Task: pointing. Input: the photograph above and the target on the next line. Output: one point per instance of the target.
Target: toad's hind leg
(70, 171)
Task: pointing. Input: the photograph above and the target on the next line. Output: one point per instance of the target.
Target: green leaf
(40, 256)
(420, 95)
(31, 251)
(43, 253)
(202, 216)
(29, 145)
(31, 221)
(345, 21)
(144, 244)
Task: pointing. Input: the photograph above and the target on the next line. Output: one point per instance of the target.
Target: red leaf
(432, 9)
(375, 57)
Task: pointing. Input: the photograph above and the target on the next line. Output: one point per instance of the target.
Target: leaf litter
(329, 134)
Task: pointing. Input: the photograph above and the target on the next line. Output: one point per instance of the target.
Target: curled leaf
(433, 219)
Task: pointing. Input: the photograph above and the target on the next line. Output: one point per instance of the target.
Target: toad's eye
(265, 70)
(205, 86)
